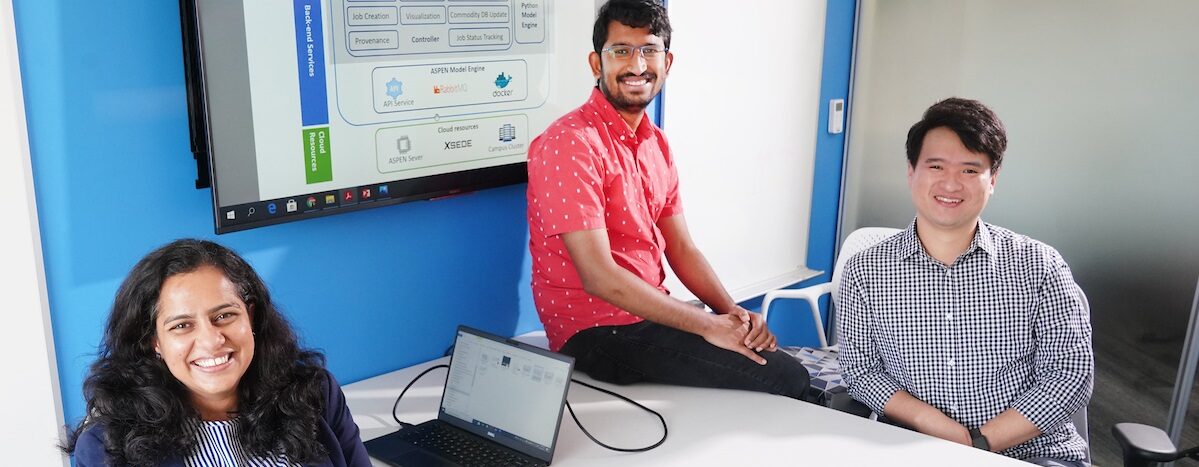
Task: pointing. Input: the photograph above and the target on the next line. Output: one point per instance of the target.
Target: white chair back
(857, 241)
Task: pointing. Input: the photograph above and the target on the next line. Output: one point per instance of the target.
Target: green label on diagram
(318, 155)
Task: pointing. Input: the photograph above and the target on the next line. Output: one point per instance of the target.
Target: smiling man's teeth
(948, 200)
(211, 362)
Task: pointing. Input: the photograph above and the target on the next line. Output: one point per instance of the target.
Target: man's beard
(623, 102)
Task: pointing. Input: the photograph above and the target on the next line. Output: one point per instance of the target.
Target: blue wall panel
(376, 290)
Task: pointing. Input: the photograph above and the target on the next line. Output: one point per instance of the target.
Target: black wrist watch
(978, 440)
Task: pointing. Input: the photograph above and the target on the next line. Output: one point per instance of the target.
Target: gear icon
(395, 88)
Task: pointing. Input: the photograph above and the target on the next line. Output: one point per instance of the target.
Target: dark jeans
(652, 353)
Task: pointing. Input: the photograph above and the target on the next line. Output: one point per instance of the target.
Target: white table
(707, 427)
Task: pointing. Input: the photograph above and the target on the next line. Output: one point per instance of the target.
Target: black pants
(652, 353)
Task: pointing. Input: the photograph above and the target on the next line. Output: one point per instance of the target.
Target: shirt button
(950, 363)
(949, 316)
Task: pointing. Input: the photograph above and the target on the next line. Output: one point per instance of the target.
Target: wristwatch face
(979, 441)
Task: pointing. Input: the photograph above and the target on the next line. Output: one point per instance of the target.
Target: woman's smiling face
(203, 333)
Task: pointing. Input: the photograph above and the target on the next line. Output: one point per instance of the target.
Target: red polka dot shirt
(589, 170)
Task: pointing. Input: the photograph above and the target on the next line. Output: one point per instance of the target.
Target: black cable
(404, 424)
(410, 383)
(647, 409)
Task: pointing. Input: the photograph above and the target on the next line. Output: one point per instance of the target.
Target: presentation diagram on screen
(419, 87)
(474, 67)
(350, 96)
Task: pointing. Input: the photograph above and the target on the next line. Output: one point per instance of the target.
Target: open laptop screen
(507, 391)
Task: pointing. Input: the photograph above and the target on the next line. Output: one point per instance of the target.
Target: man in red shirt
(603, 211)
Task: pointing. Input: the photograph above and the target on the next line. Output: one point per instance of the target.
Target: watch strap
(978, 440)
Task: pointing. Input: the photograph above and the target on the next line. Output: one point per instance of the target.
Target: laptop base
(412, 447)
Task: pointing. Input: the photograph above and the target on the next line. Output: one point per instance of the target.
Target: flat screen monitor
(307, 108)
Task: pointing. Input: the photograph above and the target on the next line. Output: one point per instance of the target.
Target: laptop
(502, 405)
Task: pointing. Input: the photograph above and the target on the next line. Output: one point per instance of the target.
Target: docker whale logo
(502, 81)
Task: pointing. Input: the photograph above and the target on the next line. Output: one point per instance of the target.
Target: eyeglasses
(625, 52)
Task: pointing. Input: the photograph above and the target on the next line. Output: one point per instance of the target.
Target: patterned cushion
(823, 368)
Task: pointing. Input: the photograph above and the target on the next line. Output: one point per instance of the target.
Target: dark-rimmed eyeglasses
(625, 52)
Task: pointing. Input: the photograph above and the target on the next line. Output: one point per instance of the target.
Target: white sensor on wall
(836, 116)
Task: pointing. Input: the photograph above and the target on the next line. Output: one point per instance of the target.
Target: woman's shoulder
(340, 433)
(91, 449)
(331, 390)
(89, 446)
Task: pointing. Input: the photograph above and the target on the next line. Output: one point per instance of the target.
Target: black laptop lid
(507, 391)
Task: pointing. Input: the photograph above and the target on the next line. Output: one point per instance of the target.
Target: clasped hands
(743, 332)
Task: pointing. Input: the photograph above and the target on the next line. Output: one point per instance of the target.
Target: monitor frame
(429, 187)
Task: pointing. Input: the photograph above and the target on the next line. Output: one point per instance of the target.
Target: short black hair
(976, 125)
(634, 14)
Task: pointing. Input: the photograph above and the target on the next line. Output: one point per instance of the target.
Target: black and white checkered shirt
(1004, 326)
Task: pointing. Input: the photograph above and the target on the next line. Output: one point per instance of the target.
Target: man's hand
(697, 275)
(729, 331)
(759, 337)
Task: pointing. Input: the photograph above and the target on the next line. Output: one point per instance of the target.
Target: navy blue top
(337, 432)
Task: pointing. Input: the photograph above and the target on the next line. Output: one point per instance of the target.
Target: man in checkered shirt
(961, 329)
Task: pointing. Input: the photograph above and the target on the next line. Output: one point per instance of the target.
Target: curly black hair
(632, 13)
(976, 125)
(145, 410)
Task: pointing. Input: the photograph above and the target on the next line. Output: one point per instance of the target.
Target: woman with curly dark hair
(198, 368)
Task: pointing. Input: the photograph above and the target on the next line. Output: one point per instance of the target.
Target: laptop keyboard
(463, 448)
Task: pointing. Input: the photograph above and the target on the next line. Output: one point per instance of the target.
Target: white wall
(29, 391)
(741, 106)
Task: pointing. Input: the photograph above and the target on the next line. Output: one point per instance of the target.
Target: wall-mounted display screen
(305, 108)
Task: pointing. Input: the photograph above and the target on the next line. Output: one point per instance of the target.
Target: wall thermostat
(836, 116)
